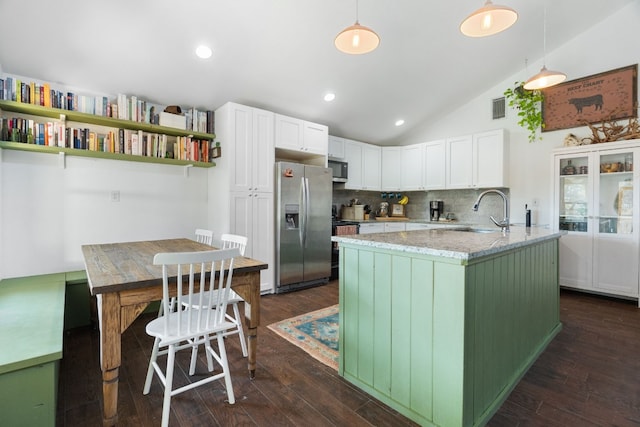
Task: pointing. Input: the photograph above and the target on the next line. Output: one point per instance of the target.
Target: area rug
(315, 332)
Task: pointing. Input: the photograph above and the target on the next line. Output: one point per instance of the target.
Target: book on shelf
(49, 134)
(92, 141)
(46, 94)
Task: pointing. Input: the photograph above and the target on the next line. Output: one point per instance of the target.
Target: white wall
(48, 211)
(608, 45)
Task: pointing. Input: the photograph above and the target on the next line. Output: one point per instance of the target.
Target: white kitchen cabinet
(371, 227)
(353, 156)
(336, 147)
(241, 194)
(391, 167)
(490, 159)
(434, 165)
(410, 226)
(249, 147)
(394, 226)
(598, 205)
(300, 135)
(423, 166)
(252, 216)
(371, 167)
(459, 162)
(412, 170)
(364, 165)
(477, 161)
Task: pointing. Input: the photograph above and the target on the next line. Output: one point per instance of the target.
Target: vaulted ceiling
(279, 54)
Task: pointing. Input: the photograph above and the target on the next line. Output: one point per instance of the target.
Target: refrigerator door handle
(303, 224)
(304, 214)
(307, 206)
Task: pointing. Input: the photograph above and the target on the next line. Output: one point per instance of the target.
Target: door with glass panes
(597, 204)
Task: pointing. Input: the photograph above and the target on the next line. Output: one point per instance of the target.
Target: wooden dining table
(124, 280)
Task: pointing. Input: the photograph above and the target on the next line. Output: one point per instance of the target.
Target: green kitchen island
(441, 324)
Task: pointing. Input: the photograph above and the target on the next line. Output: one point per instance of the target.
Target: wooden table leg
(252, 340)
(110, 395)
(251, 296)
(110, 354)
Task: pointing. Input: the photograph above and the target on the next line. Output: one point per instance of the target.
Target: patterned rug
(315, 332)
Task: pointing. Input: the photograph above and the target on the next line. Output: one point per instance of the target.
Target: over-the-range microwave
(340, 170)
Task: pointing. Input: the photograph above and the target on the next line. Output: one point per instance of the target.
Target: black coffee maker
(436, 208)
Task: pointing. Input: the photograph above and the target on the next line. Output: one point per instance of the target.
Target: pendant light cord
(544, 35)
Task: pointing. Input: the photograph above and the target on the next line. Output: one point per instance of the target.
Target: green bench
(32, 320)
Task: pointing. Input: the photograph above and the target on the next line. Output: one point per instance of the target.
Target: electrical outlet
(115, 196)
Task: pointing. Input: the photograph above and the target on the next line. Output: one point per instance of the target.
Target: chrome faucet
(504, 224)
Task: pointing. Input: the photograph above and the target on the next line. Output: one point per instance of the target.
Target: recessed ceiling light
(203, 52)
(330, 97)
(399, 122)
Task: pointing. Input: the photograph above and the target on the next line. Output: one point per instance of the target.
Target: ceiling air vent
(498, 108)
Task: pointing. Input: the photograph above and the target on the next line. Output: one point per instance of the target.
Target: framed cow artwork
(612, 95)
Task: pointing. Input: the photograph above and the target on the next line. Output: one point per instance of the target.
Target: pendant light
(488, 20)
(544, 78)
(357, 39)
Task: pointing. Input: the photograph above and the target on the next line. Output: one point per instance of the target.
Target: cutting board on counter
(392, 218)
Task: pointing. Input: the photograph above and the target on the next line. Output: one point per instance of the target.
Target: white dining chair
(181, 329)
(240, 242)
(229, 241)
(202, 236)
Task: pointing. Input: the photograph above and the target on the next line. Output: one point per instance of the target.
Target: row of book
(122, 107)
(123, 141)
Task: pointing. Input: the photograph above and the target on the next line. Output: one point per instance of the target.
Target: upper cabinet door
(371, 167)
(459, 162)
(391, 167)
(490, 159)
(248, 133)
(301, 136)
(336, 147)
(353, 156)
(315, 138)
(477, 161)
(289, 133)
(435, 153)
(238, 134)
(263, 155)
(412, 170)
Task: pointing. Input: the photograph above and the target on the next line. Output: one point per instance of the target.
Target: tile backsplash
(458, 202)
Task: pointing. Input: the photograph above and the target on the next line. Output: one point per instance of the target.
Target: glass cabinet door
(615, 193)
(616, 245)
(573, 203)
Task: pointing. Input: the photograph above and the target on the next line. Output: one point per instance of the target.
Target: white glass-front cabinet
(597, 203)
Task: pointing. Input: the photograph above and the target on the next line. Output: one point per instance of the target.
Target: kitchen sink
(479, 230)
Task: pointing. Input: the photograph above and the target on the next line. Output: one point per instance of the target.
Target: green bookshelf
(74, 116)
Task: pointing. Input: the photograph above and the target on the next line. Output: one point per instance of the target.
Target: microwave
(340, 170)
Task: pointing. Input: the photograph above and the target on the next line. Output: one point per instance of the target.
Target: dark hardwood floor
(588, 376)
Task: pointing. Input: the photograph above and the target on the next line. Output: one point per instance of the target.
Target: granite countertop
(451, 243)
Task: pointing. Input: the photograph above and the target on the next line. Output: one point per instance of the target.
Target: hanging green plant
(528, 103)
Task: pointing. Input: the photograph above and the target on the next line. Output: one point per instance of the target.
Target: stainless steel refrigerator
(303, 226)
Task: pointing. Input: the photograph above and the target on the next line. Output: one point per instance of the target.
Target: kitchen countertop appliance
(383, 210)
(436, 208)
(303, 196)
